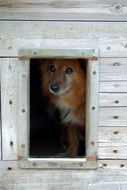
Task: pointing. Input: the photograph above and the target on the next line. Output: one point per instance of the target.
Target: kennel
(92, 30)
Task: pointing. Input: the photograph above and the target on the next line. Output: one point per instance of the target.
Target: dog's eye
(69, 70)
(51, 68)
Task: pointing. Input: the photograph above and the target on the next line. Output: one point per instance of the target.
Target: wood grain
(110, 175)
(112, 135)
(110, 39)
(113, 69)
(64, 10)
(111, 47)
(112, 99)
(9, 98)
(24, 110)
(64, 30)
(113, 116)
(115, 86)
(112, 151)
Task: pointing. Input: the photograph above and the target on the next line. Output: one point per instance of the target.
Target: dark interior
(45, 130)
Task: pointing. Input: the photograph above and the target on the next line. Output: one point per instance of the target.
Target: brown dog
(63, 81)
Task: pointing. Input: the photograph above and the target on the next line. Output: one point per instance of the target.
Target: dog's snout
(55, 87)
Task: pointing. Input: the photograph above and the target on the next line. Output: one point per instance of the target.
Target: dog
(63, 82)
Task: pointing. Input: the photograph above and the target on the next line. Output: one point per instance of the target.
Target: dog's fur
(63, 81)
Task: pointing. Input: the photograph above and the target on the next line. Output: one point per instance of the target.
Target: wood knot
(115, 151)
(115, 117)
(115, 132)
(121, 165)
(105, 165)
(117, 8)
(11, 143)
(92, 143)
(116, 64)
(116, 101)
(9, 168)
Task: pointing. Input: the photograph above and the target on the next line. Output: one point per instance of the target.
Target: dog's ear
(83, 64)
(43, 64)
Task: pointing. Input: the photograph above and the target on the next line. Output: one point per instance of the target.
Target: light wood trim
(92, 93)
(23, 113)
(92, 110)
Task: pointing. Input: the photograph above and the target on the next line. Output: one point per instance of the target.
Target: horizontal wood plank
(111, 47)
(115, 86)
(109, 38)
(109, 186)
(120, 165)
(102, 164)
(113, 116)
(112, 142)
(112, 99)
(112, 135)
(113, 69)
(65, 30)
(64, 10)
(109, 151)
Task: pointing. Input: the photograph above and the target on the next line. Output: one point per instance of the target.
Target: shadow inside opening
(45, 130)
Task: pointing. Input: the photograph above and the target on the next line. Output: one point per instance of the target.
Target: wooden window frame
(90, 160)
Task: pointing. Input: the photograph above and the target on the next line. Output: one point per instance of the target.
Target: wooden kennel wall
(83, 24)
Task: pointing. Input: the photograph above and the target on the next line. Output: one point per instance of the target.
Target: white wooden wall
(111, 39)
(112, 111)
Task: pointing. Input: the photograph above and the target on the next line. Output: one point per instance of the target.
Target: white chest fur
(67, 113)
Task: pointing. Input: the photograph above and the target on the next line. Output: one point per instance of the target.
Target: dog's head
(60, 75)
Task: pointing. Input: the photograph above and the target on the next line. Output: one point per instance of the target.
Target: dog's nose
(54, 87)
